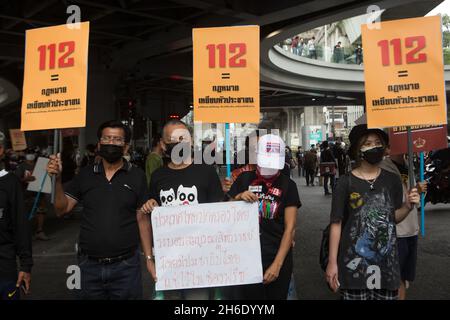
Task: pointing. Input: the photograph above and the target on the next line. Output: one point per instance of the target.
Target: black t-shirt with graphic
(368, 238)
(197, 183)
(272, 202)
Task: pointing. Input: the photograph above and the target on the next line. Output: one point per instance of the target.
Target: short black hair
(155, 140)
(115, 124)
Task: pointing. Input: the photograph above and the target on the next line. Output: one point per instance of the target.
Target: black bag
(325, 244)
(324, 248)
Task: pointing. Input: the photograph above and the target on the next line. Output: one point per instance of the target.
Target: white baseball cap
(270, 152)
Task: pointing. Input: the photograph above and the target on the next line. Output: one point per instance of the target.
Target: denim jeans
(116, 281)
(8, 290)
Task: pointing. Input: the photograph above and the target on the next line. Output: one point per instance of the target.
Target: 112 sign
(416, 43)
(237, 51)
(65, 49)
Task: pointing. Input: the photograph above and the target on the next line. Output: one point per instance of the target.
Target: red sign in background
(425, 138)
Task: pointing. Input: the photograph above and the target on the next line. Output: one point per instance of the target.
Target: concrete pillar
(301, 126)
(287, 139)
(297, 121)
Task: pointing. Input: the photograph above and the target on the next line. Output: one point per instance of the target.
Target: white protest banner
(207, 245)
(39, 172)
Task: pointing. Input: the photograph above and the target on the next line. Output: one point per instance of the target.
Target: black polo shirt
(109, 226)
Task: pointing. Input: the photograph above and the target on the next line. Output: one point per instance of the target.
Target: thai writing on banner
(206, 245)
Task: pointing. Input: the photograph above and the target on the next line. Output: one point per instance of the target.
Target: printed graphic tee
(272, 202)
(368, 245)
(198, 183)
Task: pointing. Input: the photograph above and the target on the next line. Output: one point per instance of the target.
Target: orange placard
(55, 78)
(404, 73)
(226, 74)
(18, 140)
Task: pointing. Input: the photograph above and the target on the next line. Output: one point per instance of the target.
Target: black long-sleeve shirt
(327, 156)
(15, 233)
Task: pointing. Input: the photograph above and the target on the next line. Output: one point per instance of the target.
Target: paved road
(433, 275)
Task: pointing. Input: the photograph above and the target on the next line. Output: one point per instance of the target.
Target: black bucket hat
(362, 130)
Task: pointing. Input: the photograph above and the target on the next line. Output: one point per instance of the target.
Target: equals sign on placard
(54, 77)
(225, 76)
(402, 73)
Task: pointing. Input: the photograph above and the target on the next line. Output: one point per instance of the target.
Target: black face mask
(171, 146)
(374, 155)
(111, 152)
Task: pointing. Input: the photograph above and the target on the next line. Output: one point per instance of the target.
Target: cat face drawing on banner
(184, 196)
(187, 195)
(168, 198)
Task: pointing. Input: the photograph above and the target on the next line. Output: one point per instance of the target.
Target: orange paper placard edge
(404, 73)
(226, 74)
(55, 77)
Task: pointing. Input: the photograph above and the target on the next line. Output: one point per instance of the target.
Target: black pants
(331, 178)
(310, 176)
(407, 255)
(8, 290)
(277, 290)
(341, 169)
(301, 171)
(358, 59)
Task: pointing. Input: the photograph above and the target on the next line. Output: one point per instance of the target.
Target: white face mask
(30, 157)
(267, 172)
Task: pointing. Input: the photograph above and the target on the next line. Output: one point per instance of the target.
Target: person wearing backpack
(278, 200)
(368, 202)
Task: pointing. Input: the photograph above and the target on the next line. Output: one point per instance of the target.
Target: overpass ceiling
(280, 68)
(149, 42)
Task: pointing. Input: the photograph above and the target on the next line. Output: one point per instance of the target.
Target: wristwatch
(150, 258)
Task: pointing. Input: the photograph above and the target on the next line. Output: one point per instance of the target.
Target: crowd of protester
(367, 185)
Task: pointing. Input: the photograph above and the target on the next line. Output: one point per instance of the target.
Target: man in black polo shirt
(15, 235)
(111, 192)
